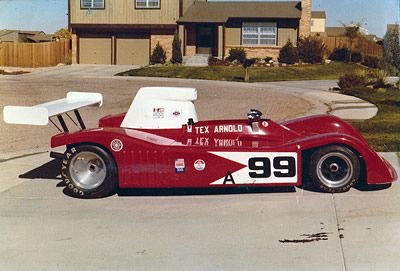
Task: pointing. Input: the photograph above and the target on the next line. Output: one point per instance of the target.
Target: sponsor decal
(219, 129)
(177, 113)
(116, 145)
(158, 113)
(260, 168)
(202, 130)
(199, 164)
(180, 165)
(228, 129)
(265, 123)
(220, 142)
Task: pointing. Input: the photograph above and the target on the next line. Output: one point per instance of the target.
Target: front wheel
(334, 169)
(89, 172)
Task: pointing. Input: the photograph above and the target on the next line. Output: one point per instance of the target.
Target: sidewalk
(320, 91)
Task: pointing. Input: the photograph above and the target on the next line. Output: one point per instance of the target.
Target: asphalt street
(295, 228)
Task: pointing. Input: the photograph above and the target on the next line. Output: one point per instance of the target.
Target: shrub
(311, 49)
(340, 54)
(356, 57)
(268, 59)
(238, 54)
(363, 78)
(176, 50)
(377, 78)
(213, 61)
(372, 61)
(288, 54)
(353, 79)
(68, 59)
(158, 56)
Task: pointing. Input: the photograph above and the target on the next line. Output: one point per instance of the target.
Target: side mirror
(254, 115)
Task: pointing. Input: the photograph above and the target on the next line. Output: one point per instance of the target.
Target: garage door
(95, 50)
(132, 51)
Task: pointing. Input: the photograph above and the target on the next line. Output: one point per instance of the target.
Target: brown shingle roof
(318, 14)
(41, 37)
(220, 12)
(334, 31)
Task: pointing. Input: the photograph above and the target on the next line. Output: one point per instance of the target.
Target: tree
(289, 53)
(159, 55)
(63, 34)
(391, 45)
(352, 33)
(311, 49)
(176, 50)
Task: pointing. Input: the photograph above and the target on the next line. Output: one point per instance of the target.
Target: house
(41, 37)
(339, 31)
(24, 36)
(318, 22)
(126, 31)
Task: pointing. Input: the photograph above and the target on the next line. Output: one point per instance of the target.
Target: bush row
(159, 56)
(309, 50)
(363, 78)
(343, 54)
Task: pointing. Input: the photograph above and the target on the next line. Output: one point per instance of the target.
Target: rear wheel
(89, 172)
(334, 169)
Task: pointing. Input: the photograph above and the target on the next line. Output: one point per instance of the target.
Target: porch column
(74, 51)
(181, 30)
(221, 41)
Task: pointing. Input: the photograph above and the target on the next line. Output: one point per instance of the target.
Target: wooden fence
(366, 47)
(34, 55)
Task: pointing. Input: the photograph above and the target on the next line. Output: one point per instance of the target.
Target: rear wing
(41, 114)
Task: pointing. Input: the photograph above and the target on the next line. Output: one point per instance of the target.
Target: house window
(147, 3)
(92, 4)
(259, 33)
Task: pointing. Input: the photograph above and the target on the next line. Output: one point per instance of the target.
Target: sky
(51, 15)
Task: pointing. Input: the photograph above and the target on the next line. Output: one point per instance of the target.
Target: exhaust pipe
(56, 155)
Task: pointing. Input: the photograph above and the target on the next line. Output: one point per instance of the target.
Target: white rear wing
(40, 114)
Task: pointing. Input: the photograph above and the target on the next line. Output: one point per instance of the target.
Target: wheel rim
(88, 170)
(334, 169)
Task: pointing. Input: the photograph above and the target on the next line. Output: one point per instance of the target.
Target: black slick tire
(89, 172)
(334, 169)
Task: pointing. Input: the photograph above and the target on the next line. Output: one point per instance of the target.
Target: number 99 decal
(260, 168)
(284, 166)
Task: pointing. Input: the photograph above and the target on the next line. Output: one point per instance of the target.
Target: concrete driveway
(259, 229)
(264, 229)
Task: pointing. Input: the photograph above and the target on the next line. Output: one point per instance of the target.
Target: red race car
(160, 143)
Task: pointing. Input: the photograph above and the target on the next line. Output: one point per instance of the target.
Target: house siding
(120, 17)
(318, 25)
(124, 12)
(284, 34)
(287, 29)
(165, 41)
(190, 33)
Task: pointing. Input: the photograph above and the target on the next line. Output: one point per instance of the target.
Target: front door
(205, 41)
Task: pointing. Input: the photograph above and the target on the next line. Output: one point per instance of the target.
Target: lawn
(257, 74)
(382, 131)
